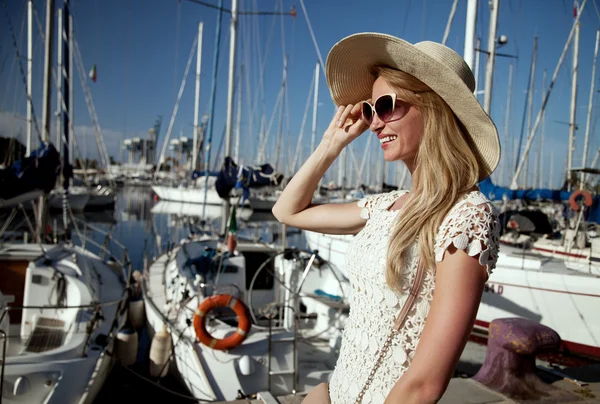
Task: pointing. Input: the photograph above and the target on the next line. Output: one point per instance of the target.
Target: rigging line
(177, 31)
(292, 167)
(291, 13)
(12, 66)
(406, 14)
(144, 378)
(263, 65)
(312, 35)
(449, 23)
(596, 8)
(181, 87)
(23, 76)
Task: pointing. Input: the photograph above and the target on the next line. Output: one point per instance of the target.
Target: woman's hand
(346, 125)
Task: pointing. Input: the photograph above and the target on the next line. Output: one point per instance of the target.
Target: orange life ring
(573, 200)
(240, 309)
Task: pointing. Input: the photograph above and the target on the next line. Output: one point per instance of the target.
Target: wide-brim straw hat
(350, 79)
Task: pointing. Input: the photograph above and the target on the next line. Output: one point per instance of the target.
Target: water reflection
(143, 224)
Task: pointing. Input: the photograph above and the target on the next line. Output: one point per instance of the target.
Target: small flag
(93, 73)
(575, 8)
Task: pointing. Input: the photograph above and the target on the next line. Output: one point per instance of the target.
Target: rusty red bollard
(509, 366)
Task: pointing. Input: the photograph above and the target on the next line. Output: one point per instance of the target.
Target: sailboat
(288, 305)
(62, 307)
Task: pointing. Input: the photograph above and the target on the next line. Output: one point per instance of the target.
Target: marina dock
(582, 382)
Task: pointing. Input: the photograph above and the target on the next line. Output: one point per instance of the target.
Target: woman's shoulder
(472, 225)
(381, 201)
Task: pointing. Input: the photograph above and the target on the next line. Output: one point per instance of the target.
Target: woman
(424, 114)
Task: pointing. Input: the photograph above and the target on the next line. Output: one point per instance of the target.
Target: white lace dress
(471, 225)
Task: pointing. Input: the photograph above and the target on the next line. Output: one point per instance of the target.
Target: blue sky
(141, 48)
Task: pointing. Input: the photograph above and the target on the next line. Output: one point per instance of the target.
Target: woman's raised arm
(294, 206)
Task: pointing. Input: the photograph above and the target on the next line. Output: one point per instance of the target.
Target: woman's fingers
(336, 117)
(342, 119)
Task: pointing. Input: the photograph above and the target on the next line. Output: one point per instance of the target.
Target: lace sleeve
(473, 228)
(368, 204)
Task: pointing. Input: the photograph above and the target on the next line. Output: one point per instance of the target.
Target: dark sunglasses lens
(367, 112)
(384, 106)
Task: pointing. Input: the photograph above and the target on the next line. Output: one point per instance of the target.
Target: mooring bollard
(509, 366)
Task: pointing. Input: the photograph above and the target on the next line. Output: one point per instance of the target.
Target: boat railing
(95, 306)
(106, 253)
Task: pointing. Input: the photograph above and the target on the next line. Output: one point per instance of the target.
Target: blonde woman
(438, 240)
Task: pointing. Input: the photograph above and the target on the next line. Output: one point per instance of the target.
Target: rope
(184, 396)
(22, 71)
(312, 35)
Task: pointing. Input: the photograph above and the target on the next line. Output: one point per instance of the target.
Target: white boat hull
(187, 195)
(77, 200)
(539, 288)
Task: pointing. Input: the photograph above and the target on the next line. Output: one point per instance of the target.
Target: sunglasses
(387, 107)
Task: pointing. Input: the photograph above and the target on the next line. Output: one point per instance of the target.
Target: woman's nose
(376, 124)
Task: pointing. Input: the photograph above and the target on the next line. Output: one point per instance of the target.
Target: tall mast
(231, 85)
(470, 32)
(29, 75)
(315, 104)
(66, 88)
(530, 103)
(47, 76)
(573, 114)
(589, 111)
(71, 127)
(59, 75)
(42, 213)
(197, 98)
(489, 69)
(238, 118)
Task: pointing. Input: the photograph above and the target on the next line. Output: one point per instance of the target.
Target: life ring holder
(574, 199)
(213, 302)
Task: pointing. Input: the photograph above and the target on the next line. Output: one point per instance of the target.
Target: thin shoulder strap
(412, 297)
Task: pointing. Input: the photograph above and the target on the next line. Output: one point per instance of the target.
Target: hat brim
(348, 72)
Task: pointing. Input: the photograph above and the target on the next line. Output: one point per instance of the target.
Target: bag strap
(412, 297)
(400, 319)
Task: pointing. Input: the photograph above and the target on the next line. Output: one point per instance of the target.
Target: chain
(384, 349)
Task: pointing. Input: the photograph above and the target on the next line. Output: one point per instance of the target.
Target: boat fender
(246, 365)
(127, 345)
(574, 199)
(136, 312)
(160, 353)
(233, 340)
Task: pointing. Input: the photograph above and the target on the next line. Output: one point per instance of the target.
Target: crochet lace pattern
(471, 225)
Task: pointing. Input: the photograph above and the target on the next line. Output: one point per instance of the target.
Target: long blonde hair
(446, 168)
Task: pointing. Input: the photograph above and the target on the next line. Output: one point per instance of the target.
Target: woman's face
(399, 138)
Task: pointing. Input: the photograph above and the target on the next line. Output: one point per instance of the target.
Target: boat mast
(42, 213)
(197, 98)
(489, 70)
(573, 102)
(66, 168)
(29, 75)
(59, 75)
(469, 52)
(230, 94)
(589, 112)
(71, 127)
(531, 135)
(315, 104)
